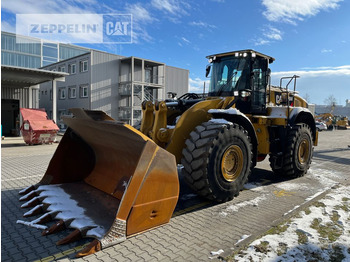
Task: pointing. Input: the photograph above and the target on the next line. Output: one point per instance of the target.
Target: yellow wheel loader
(342, 122)
(108, 180)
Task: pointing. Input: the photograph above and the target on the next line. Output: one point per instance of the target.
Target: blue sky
(307, 37)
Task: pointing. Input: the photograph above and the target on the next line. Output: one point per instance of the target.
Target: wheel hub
(232, 163)
(304, 151)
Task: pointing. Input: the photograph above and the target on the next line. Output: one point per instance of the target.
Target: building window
(66, 51)
(84, 66)
(61, 69)
(84, 91)
(72, 92)
(72, 69)
(62, 93)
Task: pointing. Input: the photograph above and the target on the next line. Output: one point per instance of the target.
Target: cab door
(258, 85)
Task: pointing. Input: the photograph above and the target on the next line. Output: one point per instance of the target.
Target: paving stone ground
(197, 227)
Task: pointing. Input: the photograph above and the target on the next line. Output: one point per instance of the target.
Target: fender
(303, 115)
(236, 116)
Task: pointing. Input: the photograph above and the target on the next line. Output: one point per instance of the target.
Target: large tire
(217, 160)
(298, 153)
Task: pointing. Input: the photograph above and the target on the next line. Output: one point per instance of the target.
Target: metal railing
(294, 79)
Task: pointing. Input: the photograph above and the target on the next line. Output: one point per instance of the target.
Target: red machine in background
(37, 128)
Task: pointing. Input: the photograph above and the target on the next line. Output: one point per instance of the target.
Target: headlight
(245, 93)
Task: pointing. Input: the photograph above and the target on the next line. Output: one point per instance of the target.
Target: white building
(114, 84)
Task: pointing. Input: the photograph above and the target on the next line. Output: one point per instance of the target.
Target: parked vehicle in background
(320, 126)
(342, 122)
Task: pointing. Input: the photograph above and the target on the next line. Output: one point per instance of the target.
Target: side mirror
(268, 76)
(268, 72)
(207, 70)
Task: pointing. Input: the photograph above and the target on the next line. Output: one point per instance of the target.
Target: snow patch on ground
(293, 186)
(216, 253)
(235, 207)
(242, 238)
(320, 233)
(325, 177)
(254, 186)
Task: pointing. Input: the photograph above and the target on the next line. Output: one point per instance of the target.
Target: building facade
(97, 80)
(114, 84)
(30, 52)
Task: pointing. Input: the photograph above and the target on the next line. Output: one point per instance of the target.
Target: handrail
(294, 77)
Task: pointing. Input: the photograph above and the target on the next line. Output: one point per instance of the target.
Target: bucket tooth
(28, 196)
(31, 203)
(57, 227)
(35, 211)
(27, 190)
(45, 218)
(91, 248)
(74, 236)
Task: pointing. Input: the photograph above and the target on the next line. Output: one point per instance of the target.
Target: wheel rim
(303, 151)
(232, 163)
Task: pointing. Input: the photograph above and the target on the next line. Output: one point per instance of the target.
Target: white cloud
(186, 40)
(317, 72)
(197, 84)
(290, 11)
(326, 50)
(261, 41)
(320, 82)
(327, 67)
(8, 27)
(269, 34)
(50, 6)
(139, 13)
(273, 33)
(141, 17)
(202, 24)
(174, 7)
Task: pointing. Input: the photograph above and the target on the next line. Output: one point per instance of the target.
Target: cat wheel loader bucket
(106, 181)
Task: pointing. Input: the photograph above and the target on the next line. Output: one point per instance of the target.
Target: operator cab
(243, 74)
